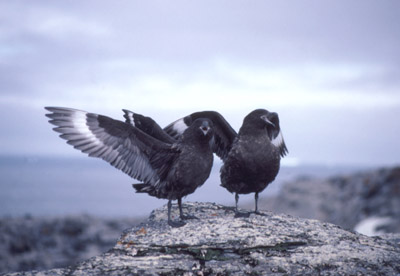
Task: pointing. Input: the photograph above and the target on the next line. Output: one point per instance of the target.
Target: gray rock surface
(219, 244)
(343, 200)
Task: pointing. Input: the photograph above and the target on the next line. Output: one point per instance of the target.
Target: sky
(331, 69)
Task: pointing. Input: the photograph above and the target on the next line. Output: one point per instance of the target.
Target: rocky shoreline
(368, 202)
(34, 243)
(354, 202)
(218, 244)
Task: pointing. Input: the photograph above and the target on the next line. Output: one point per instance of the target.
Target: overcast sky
(331, 69)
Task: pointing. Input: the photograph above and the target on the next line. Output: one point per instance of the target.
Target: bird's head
(202, 128)
(262, 119)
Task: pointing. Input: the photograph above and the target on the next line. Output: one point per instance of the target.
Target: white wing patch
(78, 120)
(179, 126)
(81, 130)
(278, 140)
(129, 116)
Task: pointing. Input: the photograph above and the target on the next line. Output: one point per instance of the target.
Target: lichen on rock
(218, 244)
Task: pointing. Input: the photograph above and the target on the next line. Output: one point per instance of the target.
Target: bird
(168, 170)
(251, 157)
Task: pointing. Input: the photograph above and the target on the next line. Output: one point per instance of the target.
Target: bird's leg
(256, 202)
(170, 221)
(183, 217)
(256, 209)
(237, 213)
(236, 202)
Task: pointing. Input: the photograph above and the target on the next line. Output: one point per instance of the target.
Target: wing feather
(279, 142)
(147, 125)
(123, 146)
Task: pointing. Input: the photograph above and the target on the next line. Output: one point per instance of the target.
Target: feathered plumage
(251, 157)
(168, 169)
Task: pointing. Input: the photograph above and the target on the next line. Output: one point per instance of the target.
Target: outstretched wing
(122, 145)
(224, 134)
(147, 125)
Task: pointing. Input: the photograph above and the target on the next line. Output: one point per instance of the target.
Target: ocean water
(45, 186)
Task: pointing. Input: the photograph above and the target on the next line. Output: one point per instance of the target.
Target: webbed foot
(175, 223)
(185, 217)
(260, 214)
(242, 214)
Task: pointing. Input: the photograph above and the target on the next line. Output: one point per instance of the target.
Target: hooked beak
(265, 118)
(205, 129)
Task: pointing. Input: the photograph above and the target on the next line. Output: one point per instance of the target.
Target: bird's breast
(195, 166)
(254, 154)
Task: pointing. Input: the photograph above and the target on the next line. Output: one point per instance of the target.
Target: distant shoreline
(36, 243)
(59, 186)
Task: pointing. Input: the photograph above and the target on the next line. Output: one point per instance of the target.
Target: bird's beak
(205, 129)
(265, 118)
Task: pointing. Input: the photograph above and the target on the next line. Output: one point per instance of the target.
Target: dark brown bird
(168, 169)
(251, 157)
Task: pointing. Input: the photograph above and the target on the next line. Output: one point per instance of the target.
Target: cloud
(304, 59)
(244, 87)
(220, 85)
(53, 41)
(66, 27)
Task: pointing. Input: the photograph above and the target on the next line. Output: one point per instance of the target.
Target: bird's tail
(142, 187)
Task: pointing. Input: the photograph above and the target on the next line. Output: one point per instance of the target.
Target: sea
(61, 186)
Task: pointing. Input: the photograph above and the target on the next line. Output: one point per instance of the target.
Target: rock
(219, 244)
(347, 201)
(29, 243)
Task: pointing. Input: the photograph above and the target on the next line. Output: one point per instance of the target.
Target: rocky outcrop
(218, 244)
(29, 243)
(371, 197)
(369, 200)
